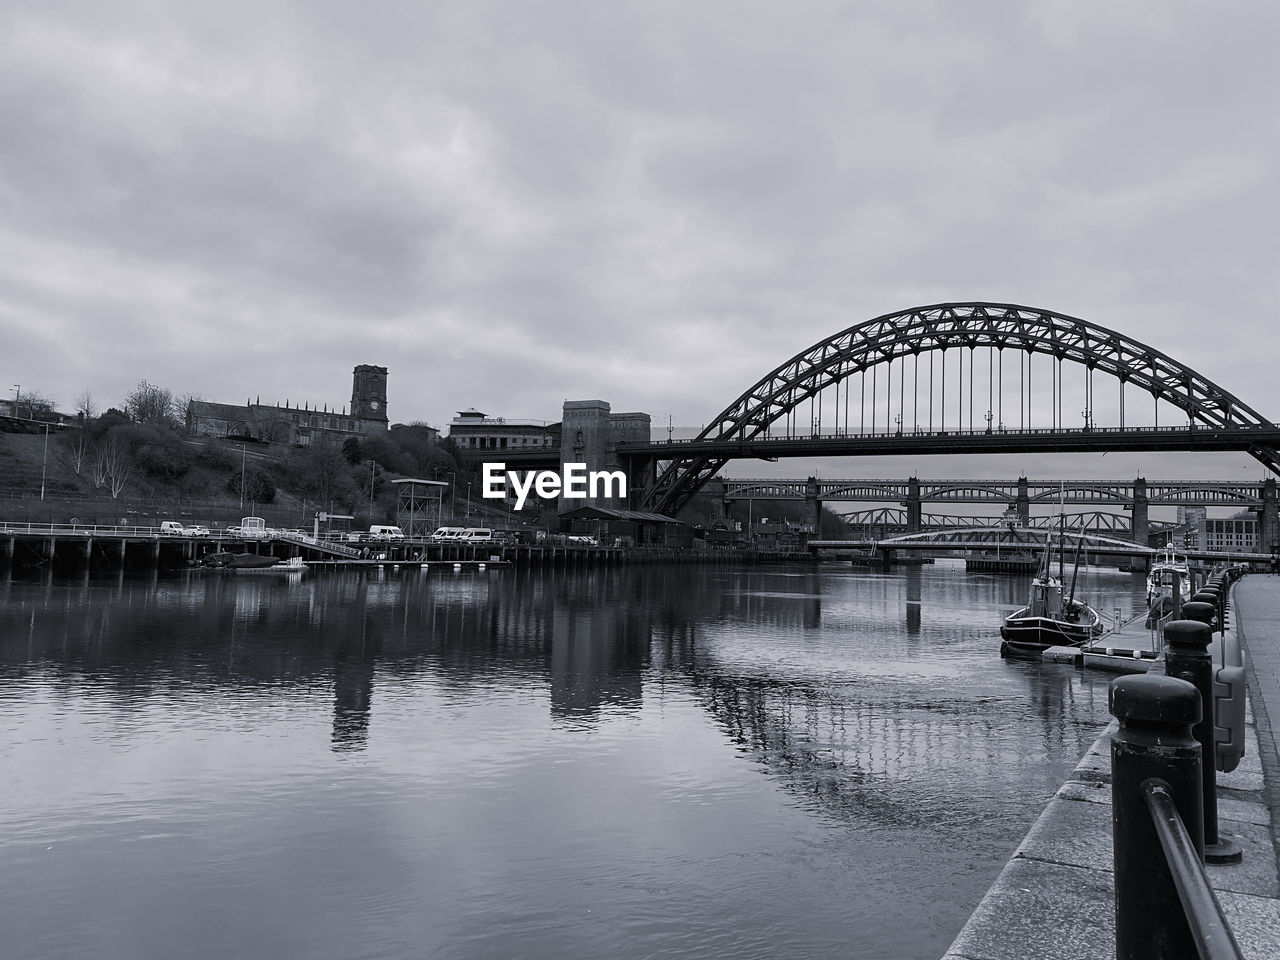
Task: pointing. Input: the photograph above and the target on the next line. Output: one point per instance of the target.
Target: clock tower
(369, 396)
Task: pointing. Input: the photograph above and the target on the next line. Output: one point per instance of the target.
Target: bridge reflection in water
(487, 755)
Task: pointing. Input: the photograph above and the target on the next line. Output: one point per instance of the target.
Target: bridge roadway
(1230, 493)
(1060, 440)
(986, 538)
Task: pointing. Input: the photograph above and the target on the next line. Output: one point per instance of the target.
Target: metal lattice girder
(946, 326)
(1171, 492)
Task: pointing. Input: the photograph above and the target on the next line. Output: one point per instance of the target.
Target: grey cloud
(652, 203)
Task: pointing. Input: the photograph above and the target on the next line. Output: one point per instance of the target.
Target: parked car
(196, 530)
(171, 528)
(447, 534)
(476, 535)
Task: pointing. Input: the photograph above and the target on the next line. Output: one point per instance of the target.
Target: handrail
(960, 432)
(1209, 928)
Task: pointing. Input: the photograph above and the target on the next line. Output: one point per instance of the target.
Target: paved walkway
(1256, 620)
(1055, 900)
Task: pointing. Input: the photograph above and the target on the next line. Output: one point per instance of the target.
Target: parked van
(476, 535)
(447, 534)
(172, 527)
(380, 532)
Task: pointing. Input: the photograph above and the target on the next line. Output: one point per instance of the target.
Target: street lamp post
(453, 493)
(17, 393)
(242, 456)
(45, 462)
(373, 467)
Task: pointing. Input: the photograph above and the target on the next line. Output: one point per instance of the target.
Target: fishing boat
(1166, 568)
(1050, 619)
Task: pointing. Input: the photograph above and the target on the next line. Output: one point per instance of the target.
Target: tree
(148, 403)
(351, 450)
(77, 443)
(258, 485)
(321, 473)
(85, 405)
(112, 464)
(34, 405)
(100, 469)
(157, 451)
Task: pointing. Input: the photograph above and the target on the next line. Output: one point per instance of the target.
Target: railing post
(1187, 658)
(1154, 743)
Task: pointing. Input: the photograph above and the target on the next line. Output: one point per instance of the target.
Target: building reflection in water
(812, 670)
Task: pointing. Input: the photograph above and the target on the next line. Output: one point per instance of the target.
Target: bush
(157, 451)
(258, 485)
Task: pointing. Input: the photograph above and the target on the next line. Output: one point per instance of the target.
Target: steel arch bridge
(1098, 521)
(1216, 419)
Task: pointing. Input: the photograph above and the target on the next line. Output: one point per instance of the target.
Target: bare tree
(100, 466)
(85, 405)
(182, 405)
(36, 406)
(77, 445)
(147, 403)
(119, 464)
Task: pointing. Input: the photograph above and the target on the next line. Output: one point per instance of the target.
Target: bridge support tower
(1269, 518)
(814, 506)
(590, 433)
(912, 503)
(1140, 524)
(1023, 503)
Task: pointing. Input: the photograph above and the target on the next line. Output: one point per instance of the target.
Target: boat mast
(1079, 545)
(1062, 545)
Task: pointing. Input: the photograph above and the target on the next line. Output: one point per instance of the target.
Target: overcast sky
(510, 204)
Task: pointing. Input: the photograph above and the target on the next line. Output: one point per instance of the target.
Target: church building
(303, 425)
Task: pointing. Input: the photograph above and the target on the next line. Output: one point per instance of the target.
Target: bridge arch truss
(933, 330)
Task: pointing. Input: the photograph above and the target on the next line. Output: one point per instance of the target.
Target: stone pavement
(1256, 613)
(1055, 898)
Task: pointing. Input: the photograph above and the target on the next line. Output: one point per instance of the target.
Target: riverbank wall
(1055, 897)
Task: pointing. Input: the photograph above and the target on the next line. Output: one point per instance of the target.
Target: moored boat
(240, 561)
(1050, 619)
(1166, 568)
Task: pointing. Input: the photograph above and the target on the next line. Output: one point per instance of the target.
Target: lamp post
(242, 456)
(453, 494)
(468, 501)
(45, 462)
(373, 468)
(17, 392)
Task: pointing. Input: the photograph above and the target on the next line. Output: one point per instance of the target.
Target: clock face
(373, 405)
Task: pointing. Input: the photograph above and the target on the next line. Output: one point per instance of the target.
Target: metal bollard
(1205, 595)
(1199, 610)
(1187, 658)
(1154, 743)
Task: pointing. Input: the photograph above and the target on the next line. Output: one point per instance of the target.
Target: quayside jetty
(1143, 846)
(103, 548)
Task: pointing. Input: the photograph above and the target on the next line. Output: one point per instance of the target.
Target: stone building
(367, 414)
(589, 434)
(473, 430)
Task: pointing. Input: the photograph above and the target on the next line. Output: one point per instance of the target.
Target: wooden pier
(71, 547)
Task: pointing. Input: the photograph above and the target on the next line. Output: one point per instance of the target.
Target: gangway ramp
(321, 546)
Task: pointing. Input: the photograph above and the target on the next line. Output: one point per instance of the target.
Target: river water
(682, 762)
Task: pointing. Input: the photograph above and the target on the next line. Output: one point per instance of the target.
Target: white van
(476, 535)
(447, 534)
(380, 532)
(172, 528)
